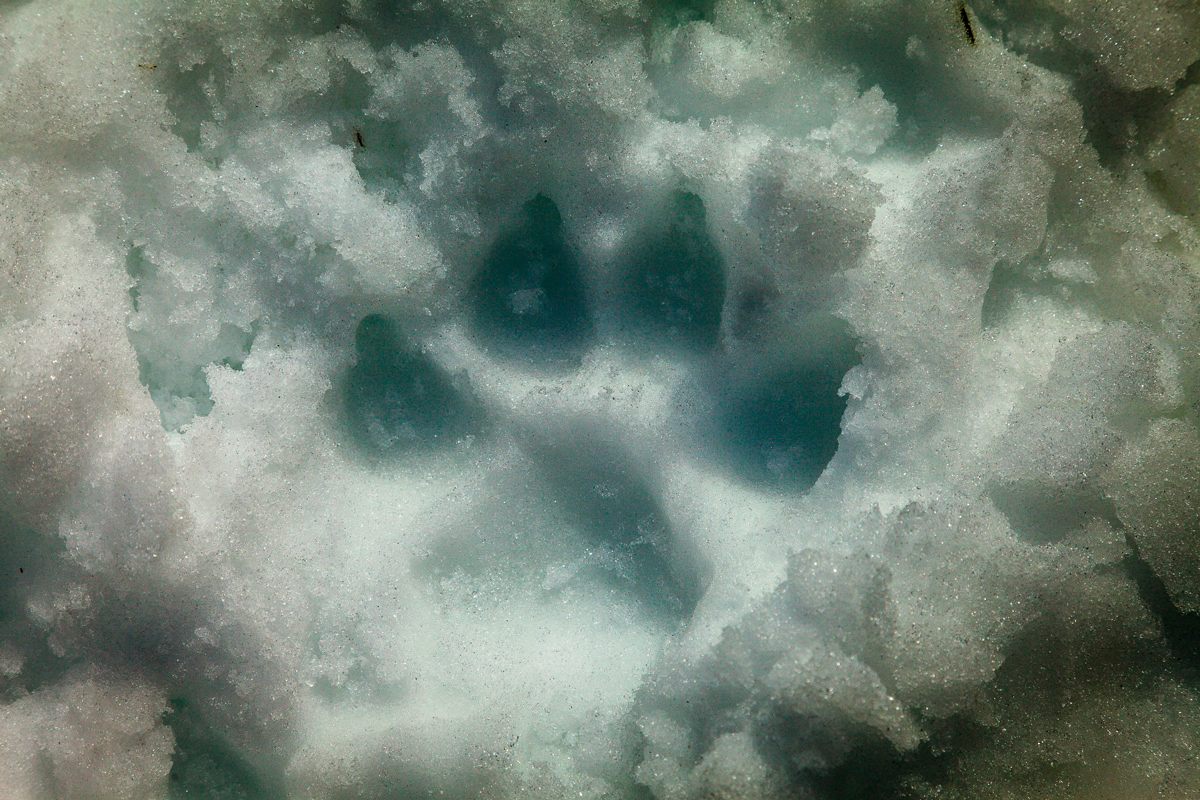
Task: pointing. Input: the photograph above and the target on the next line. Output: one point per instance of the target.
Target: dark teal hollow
(675, 285)
(529, 298)
(397, 399)
(778, 427)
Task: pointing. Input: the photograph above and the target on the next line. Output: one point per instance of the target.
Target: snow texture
(606, 399)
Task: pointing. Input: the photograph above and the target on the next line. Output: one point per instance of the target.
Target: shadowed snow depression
(603, 399)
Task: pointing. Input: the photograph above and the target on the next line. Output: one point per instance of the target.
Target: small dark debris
(966, 23)
(358, 137)
(148, 67)
(21, 570)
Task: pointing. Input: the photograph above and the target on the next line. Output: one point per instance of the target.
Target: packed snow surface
(693, 400)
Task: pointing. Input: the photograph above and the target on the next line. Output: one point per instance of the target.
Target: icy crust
(523, 399)
(1140, 46)
(87, 737)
